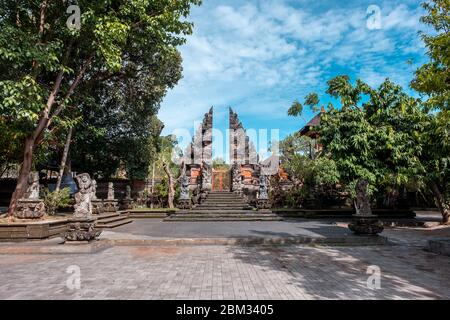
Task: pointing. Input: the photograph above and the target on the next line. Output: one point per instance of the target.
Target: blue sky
(259, 56)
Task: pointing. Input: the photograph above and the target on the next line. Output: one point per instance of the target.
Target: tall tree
(433, 81)
(376, 138)
(433, 78)
(41, 74)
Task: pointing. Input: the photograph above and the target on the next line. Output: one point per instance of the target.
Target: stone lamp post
(364, 222)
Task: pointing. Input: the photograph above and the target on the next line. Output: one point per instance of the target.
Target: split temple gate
(243, 177)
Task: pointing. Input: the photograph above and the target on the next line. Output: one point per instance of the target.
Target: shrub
(54, 200)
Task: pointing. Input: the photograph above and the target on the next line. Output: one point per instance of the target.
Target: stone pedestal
(184, 204)
(366, 225)
(263, 204)
(127, 204)
(110, 205)
(203, 196)
(30, 209)
(81, 229)
(97, 206)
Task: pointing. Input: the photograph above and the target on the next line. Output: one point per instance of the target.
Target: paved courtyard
(234, 272)
(156, 228)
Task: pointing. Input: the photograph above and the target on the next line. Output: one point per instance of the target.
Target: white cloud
(259, 56)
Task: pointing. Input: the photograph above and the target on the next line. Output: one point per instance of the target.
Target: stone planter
(81, 229)
(127, 204)
(110, 205)
(184, 204)
(366, 225)
(263, 204)
(97, 206)
(30, 209)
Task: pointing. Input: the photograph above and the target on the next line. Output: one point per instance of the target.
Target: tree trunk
(44, 121)
(442, 203)
(64, 159)
(171, 188)
(22, 180)
(153, 185)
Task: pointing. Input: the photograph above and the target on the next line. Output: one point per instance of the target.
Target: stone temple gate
(243, 177)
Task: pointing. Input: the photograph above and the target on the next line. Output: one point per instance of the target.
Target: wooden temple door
(221, 180)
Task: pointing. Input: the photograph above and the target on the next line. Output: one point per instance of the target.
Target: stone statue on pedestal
(185, 198)
(127, 202)
(206, 177)
(362, 203)
(82, 226)
(263, 194)
(97, 204)
(110, 191)
(32, 192)
(237, 179)
(184, 184)
(84, 196)
(263, 189)
(364, 222)
(128, 192)
(30, 206)
(110, 204)
(94, 189)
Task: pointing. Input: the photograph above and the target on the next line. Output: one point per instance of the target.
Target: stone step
(224, 199)
(213, 208)
(222, 205)
(174, 219)
(106, 215)
(115, 224)
(221, 192)
(230, 195)
(111, 219)
(221, 212)
(222, 217)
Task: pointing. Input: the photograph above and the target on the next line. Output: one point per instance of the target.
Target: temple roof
(307, 130)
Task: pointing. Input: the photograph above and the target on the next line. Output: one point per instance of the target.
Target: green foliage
(311, 100)
(295, 145)
(54, 200)
(378, 141)
(296, 109)
(325, 172)
(433, 78)
(129, 51)
(161, 192)
(167, 147)
(220, 164)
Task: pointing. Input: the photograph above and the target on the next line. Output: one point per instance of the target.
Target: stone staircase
(223, 206)
(112, 220)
